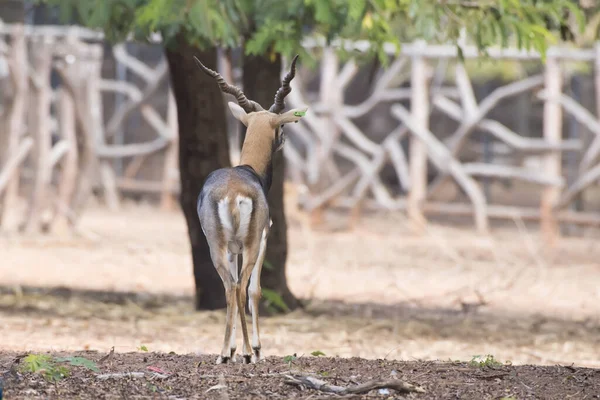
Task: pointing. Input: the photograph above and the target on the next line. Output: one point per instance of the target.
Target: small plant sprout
(290, 359)
(487, 361)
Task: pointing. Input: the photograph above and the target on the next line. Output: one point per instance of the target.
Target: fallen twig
(222, 385)
(492, 376)
(314, 383)
(119, 375)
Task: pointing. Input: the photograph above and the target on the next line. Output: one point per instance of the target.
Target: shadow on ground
(406, 320)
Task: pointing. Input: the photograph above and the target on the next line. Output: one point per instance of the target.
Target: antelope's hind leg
(253, 256)
(233, 267)
(255, 294)
(231, 288)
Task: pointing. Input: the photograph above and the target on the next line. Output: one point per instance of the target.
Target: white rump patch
(224, 217)
(244, 205)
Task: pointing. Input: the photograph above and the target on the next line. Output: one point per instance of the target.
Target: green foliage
(79, 362)
(143, 348)
(487, 361)
(44, 365)
(273, 26)
(268, 265)
(36, 362)
(50, 367)
(317, 353)
(289, 359)
(274, 300)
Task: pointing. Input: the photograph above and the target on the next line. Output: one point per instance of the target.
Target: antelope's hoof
(223, 360)
(256, 355)
(247, 358)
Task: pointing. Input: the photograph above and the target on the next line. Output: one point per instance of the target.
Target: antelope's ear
(238, 112)
(293, 115)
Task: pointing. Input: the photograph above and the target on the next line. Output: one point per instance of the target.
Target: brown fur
(258, 144)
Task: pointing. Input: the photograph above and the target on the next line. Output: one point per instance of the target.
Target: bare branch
(132, 63)
(157, 75)
(507, 171)
(317, 384)
(13, 163)
(584, 117)
(472, 119)
(58, 152)
(501, 132)
(588, 178)
(379, 190)
(397, 157)
(334, 190)
(441, 157)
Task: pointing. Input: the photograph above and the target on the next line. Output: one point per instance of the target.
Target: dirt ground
(379, 292)
(152, 375)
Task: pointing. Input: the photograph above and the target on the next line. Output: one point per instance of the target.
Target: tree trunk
(12, 11)
(261, 79)
(203, 147)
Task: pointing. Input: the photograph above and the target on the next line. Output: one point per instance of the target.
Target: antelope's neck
(257, 153)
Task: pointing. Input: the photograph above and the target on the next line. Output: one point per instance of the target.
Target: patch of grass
(142, 348)
(487, 361)
(44, 365)
(317, 353)
(51, 368)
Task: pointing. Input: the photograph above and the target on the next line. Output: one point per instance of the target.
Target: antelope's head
(264, 127)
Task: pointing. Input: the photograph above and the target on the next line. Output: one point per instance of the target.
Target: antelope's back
(233, 206)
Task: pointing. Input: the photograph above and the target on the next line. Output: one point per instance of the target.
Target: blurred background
(439, 200)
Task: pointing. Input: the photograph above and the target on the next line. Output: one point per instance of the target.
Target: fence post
(108, 179)
(597, 78)
(419, 107)
(333, 99)
(70, 170)
(16, 113)
(552, 161)
(41, 51)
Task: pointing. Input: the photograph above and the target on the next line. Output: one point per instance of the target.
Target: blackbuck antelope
(234, 212)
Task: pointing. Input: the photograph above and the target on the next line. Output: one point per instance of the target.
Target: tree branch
(317, 384)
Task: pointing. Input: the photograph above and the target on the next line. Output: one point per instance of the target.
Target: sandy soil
(378, 291)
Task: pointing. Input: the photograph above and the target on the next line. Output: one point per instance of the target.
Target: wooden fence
(330, 155)
(33, 113)
(331, 121)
